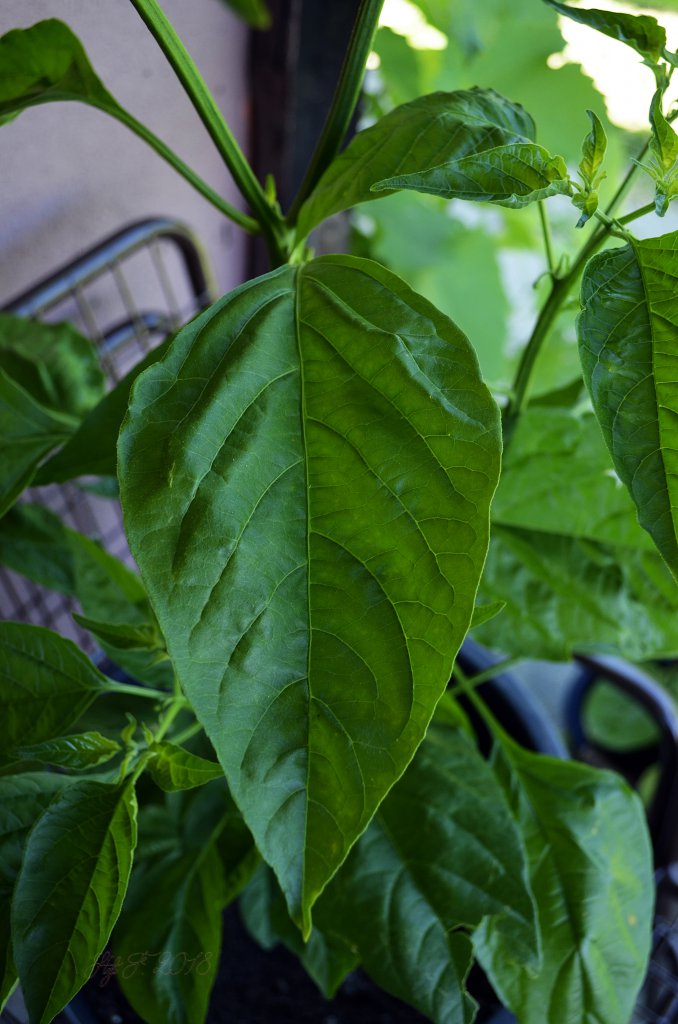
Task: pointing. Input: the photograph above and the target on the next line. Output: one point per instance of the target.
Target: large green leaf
(70, 890)
(46, 683)
(169, 935)
(591, 874)
(306, 480)
(55, 364)
(640, 31)
(628, 338)
(29, 431)
(441, 860)
(23, 798)
(326, 957)
(469, 144)
(91, 449)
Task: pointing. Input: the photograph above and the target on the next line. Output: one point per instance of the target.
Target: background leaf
(77, 752)
(441, 858)
(54, 363)
(254, 12)
(169, 935)
(326, 957)
(45, 685)
(368, 396)
(23, 798)
(628, 332)
(70, 890)
(591, 874)
(640, 31)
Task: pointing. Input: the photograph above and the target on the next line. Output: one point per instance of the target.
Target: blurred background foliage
(484, 266)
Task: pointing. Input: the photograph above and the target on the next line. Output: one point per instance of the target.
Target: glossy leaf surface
(640, 31)
(628, 343)
(441, 859)
(70, 890)
(45, 685)
(591, 874)
(469, 144)
(306, 480)
(173, 768)
(77, 752)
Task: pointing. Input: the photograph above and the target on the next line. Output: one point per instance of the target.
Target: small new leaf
(173, 768)
(587, 204)
(593, 152)
(640, 31)
(664, 152)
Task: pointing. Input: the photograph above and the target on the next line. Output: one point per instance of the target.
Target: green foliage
(336, 594)
(70, 889)
(306, 473)
(590, 885)
(254, 12)
(627, 334)
(471, 144)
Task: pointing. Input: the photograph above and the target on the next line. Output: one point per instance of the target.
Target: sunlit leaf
(306, 480)
(640, 31)
(469, 144)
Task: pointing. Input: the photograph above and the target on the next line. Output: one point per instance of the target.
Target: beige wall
(69, 174)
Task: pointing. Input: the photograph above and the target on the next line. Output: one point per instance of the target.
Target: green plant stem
(175, 707)
(635, 214)
(345, 100)
(205, 190)
(548, 238)
(469, 682)
(161, 28)
(559, 290)
(187, 733)
(138, 691)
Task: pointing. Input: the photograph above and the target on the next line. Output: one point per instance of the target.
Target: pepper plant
(306, 472)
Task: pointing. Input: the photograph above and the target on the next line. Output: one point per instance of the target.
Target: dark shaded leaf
(326, 957)
(628, 343)
(441, 861)
(56, 365)
(46, 683)
(591, 874)
(91, 449)
(168, 939)
(338, 483)
(470, 144)
(70, 890)
(23, 798)
(29, 431)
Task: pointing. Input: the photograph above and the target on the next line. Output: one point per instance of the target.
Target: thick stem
(345, 100)
(210, 115)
